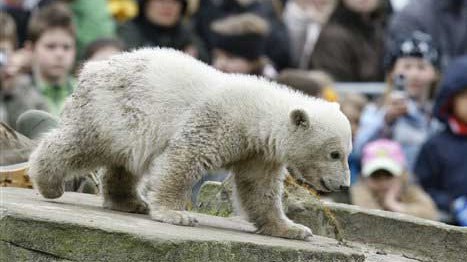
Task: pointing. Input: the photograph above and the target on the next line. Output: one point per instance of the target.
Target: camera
(399, 91)
(3, 58)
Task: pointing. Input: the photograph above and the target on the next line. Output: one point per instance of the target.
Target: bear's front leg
(259, 191)
(168, 186)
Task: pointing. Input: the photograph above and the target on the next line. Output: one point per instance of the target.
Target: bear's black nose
(344, 188)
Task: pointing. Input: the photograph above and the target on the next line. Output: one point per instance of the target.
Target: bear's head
(318, 147)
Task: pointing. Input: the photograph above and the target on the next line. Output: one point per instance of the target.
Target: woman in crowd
(351, 46)
(304, 20)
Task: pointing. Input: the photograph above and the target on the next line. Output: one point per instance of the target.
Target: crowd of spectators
(410, 142)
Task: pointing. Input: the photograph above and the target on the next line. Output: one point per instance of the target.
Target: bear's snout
(333, 184)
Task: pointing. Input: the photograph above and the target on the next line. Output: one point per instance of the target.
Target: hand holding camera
(396, 104)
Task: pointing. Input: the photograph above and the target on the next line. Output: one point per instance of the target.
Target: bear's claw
(181, 218)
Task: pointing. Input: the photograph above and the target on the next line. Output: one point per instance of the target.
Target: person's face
(460, 106)
(54, 54)
(381, 181)
(229, 63)
(419, 75)
(362, 6)
(165, 13)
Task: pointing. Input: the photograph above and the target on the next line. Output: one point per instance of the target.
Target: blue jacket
(441, 167)
(411, 130)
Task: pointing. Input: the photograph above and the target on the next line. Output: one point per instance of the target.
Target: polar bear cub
(156, 120)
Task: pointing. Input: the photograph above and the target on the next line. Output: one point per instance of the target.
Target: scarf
(458, 127)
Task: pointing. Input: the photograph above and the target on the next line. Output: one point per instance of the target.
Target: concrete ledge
(385, 231)
(390, 231)
(76, 228)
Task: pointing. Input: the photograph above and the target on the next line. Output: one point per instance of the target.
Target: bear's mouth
(302, 181)
(323, 188)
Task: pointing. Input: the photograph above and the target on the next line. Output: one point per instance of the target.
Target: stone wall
(76, 228)
(385, 231)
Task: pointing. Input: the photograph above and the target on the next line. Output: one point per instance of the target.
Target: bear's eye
(335, 155)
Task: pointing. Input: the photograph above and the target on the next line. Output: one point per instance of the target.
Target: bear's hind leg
(258, 188)
(59, 156)
(119, 188)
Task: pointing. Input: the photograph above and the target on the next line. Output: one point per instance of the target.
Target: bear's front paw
(287, 230)
(181, 218)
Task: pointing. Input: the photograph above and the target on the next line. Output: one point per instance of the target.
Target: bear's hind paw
(181, 218)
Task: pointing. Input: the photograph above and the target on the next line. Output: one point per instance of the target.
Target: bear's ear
(299, 118)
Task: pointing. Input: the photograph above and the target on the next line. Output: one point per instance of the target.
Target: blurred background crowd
(396, 67)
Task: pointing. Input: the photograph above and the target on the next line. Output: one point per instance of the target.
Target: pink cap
(383, 154)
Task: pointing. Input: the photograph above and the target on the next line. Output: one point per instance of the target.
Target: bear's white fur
(155, 120)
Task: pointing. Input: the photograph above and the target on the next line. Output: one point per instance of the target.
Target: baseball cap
(383, 154)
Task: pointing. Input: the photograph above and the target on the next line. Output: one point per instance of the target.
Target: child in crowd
(239, 45)
(441, 166)
(384, 183)
(51, 39)
(404, 115)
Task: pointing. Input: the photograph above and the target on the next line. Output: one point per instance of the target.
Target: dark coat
(140, 32)
(441, 166)
(350, 48)
(445, 21)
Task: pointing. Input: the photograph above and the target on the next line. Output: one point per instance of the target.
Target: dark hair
(242, 35)
(56, 15)
(101, 43)
(300, 80)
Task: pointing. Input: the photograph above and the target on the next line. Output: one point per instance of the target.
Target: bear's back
(162, 81)
(154, 71)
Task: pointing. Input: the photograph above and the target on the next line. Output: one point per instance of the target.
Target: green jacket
(55, 95)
